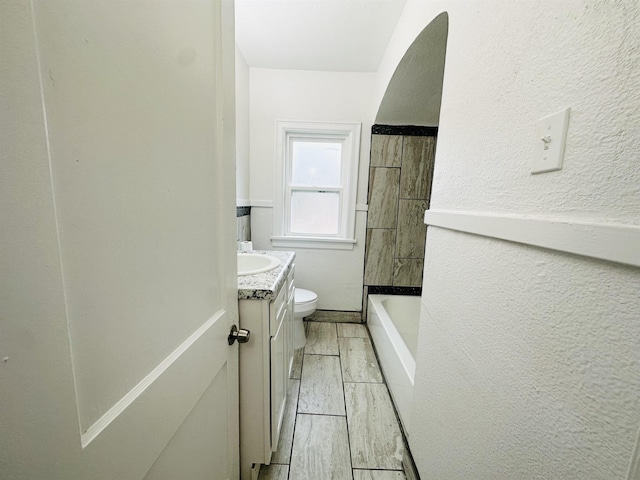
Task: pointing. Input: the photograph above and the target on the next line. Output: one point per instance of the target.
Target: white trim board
(614, 242)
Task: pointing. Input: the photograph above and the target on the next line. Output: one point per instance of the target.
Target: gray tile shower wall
(407, 272)
(243, 224)
(384, 189)
(411, 228)
(379, 248)
(400, 175)
(417, 163)
(386, 151)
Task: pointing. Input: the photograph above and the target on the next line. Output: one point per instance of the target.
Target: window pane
(315, 212)
(316, 164)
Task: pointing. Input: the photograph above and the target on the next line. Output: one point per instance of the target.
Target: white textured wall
(242, 130)
(529, 360)
(529, 363)
(335, 275)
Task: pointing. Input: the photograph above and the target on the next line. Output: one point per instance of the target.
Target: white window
(316, 181)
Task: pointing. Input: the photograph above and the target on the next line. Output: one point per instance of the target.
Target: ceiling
(325, 35)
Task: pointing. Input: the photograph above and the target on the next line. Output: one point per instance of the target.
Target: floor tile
(352, 330)
(274, 472)
(378, 475)
(358, 361)
(321, 386)
(320, 449)
(296, 368)
(322, 339)
(374, 434)
(283, 453)
(337, 363)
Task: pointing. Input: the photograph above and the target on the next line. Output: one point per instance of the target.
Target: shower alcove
(403, 147)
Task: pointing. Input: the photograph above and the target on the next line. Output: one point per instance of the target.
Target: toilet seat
(305, 302)
(304, 297)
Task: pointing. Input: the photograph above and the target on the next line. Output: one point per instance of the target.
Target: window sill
(314, 242)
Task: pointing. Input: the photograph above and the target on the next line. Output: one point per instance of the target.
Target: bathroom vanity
(266, 306)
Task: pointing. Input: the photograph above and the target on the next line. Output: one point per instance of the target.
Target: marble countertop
(264, 286)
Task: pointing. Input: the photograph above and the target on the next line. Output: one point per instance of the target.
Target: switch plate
(551, 136)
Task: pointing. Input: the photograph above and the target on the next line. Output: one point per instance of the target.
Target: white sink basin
(252, 263)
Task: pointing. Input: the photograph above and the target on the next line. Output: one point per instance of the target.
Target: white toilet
(306, 302)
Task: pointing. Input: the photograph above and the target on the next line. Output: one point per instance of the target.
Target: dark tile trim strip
(390, 290)
(409, 130)
(243, 211)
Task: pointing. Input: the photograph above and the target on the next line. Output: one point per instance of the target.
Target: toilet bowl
(306, 302)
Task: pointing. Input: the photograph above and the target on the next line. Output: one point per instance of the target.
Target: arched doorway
(401, 167)
(402, 159)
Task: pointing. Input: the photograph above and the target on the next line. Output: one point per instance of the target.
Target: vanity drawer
(290, 284)
(277, 310)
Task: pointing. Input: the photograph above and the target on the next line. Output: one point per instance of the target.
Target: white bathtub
(393, 322)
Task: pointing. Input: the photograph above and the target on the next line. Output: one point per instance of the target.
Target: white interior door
(118, 260)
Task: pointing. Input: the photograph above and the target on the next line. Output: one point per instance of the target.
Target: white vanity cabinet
(265, 366)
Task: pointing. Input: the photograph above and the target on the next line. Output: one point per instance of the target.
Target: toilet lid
(304, 296)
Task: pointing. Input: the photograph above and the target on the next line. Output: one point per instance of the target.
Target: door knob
(241, 335)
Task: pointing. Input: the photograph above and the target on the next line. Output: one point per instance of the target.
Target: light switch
(551, 136)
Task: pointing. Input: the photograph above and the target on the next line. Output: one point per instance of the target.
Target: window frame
(347, 133)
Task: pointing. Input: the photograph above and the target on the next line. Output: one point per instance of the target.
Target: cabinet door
(290, 321)
(278, 378)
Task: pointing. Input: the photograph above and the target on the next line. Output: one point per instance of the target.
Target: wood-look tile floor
(339, 422)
